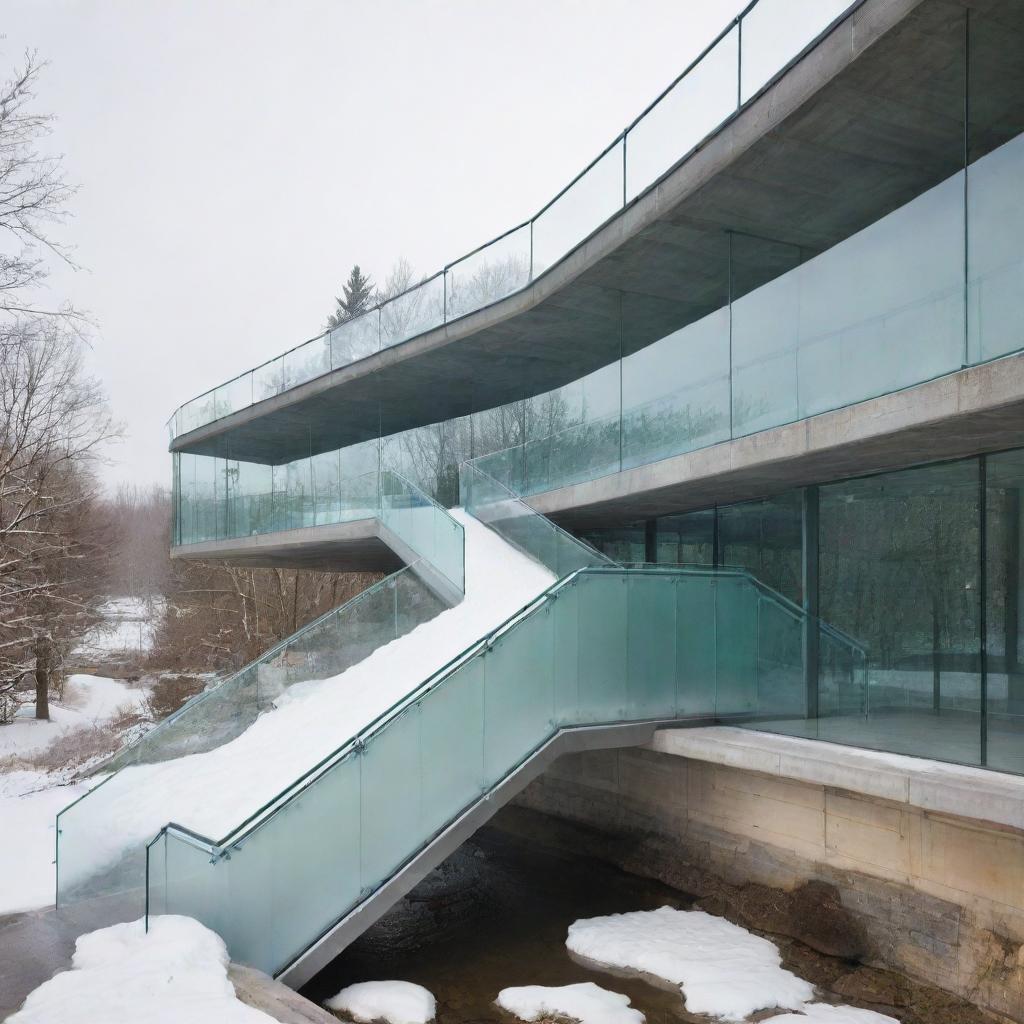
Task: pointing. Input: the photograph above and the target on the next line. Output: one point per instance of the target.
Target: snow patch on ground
(29, 803)
(214, 791)
(823, 1013)
(122, 975)
(397, 1002)
(724, 970)
(87, 701)
(129, 624)
(585, 1002)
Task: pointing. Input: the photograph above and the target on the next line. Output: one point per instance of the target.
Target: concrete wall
(939, 897)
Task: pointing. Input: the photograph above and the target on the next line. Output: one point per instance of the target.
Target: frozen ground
(397, 1002)
(586, 1002)
(122, 975)
(212, 792)
(29, 803)
(87, 701)
(723, 970)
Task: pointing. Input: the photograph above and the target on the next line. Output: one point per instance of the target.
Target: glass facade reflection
(921, 567)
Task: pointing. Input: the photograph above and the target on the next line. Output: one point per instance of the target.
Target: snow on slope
(88, 700)
(397, 1002)
(123, 975)
(586, 1002)
(724, 970)
(212, 792)
(29, 803)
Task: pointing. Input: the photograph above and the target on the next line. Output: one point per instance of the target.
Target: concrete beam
(974, 793)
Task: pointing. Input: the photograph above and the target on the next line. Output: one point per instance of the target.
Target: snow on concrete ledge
(397, 1002)
(123, 975)
(724, 970)
(585, 1002)
(976, 793)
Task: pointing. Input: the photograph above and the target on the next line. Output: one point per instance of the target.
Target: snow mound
(397, 1002)
(723, 970)
(823, 1013)
(585, 1002)
(122, 975)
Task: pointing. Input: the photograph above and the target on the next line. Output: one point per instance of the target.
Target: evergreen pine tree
(358, 292)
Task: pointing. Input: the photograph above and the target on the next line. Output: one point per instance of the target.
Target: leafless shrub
(168, 694)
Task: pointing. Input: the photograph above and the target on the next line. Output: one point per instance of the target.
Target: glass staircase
(603, 657)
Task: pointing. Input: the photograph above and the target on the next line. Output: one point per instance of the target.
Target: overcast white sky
(236, 157)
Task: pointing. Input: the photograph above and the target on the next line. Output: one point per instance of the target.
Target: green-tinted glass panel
(518, 693)
(602, 647)
(651, 641)
(390, 779)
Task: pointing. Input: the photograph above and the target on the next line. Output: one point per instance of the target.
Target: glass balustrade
(88, 864)
(224, 499)
(755, 46)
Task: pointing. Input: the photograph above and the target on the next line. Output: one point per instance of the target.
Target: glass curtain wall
(917, 566)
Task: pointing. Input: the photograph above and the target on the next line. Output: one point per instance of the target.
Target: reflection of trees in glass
(899, 570)
(408, 310)
(473, 285)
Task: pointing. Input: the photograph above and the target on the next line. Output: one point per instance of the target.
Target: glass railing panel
(696, 105)
(736, 639)
(413, 312)
(652, 637)
(877, 312)
(775, 31)
(355, 339)
(675, 392)
(602, 661)
(269, 379)
(426, 527)
(582, 208)
(390, 796)
(697, 652)
(452, 737)
(235, 395)
(497, 270)
(510, 517)
(518, 693)
(308, 361)
(995, 257)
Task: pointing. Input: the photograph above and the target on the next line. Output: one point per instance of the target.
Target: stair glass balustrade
(323, 649)
(603, 645)
(512, 519)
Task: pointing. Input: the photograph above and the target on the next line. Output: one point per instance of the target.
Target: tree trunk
(42, 653)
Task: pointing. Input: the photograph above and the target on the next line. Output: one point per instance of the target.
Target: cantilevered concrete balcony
(870, 116)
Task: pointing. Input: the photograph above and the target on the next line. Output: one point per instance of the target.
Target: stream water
(496, 914)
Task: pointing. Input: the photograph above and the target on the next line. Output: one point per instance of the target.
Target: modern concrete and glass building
(775, 325)
(765, 356)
